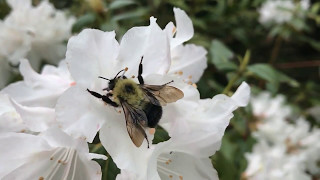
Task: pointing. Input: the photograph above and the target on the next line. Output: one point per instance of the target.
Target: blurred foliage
(279, 58)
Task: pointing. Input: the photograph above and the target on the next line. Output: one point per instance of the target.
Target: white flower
(188, 61)
(280, 11)
(50, 155)
(40, 89)
(34, 32)
(284, 150)
(265, 107)
(94, 53)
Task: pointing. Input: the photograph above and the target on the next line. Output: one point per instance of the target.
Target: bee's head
(112, 82)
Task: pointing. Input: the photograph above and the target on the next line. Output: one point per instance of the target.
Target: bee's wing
(136, 119)
(163, 93)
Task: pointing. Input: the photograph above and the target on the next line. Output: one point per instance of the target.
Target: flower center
(63, 163)
(165, 168)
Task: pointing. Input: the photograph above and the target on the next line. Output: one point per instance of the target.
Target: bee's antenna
(104, 78)
(125, 69)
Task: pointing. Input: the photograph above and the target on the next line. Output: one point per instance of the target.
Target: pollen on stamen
(73, 83)
(119, 111)
(180, 177)
(152, 131)
(180, 73)
(194, 85)
(174, 29)
(126, 69)
(51, 158)
(59, 161)
(190, 77)
(41, 178)
(170, 176)
(133, 76)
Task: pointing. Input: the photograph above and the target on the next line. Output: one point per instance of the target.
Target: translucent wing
(163, 93)
(136, 119)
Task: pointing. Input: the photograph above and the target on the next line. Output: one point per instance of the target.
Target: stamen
(165, 170)
(152, 131)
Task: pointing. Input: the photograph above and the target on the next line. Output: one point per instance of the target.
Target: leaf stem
(241, 70)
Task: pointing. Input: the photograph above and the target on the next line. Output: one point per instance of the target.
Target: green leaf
(120, 3)
(110, 170)
(83, 22)
(160, 135)
(221, 56)
(274, 77)
(265, 72)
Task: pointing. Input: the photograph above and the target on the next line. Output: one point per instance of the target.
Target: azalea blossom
(40, 90)
(281, 11)
(284, 150)
(34, 32)
(49, 155)
(94, 53)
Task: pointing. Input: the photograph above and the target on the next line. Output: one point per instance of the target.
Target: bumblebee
(141, 103)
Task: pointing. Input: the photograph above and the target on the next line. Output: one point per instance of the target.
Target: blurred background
(273, 45)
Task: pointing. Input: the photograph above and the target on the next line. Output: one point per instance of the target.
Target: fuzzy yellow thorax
(129, 91)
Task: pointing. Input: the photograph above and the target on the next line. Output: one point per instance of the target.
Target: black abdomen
(153, 113)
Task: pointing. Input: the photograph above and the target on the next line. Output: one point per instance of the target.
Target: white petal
(242, 95)
(189, 62)
(36, 119)
(184, 28)
(151, 43)
(16, 149)
(39, 89)
(80, 114)
(10, 120)
(115, 138)
(90, 54)
(66, 164)
(166, 162)
(19, 3)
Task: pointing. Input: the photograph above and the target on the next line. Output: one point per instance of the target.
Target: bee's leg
(140, 78)
(106, 99)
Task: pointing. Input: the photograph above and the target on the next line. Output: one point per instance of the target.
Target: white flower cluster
(284, 150)
(282, 11)
(36, 33)
(47, 119)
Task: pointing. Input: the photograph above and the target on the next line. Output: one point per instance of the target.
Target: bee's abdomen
(153, 113)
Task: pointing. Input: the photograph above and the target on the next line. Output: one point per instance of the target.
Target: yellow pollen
(126, 69)
(174, 30)
(190, 77)
(51, 158)
(132, 76)
(59, 161)
(170, 176)
(41, 178)
(180, 177)
(167, 163)
(180, 73)
(23, 131)
(152, 131)
(119, 111)
(169, 160)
